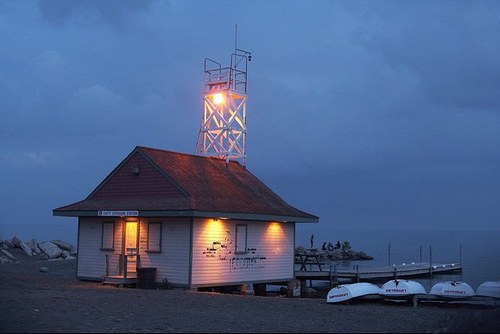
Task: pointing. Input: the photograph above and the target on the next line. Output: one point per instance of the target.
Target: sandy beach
(55, 301)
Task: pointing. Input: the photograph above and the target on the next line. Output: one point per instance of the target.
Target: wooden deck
(326, 273)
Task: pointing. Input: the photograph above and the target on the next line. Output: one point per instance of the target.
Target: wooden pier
(357, 274)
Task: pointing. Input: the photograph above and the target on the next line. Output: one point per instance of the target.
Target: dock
(422, 269)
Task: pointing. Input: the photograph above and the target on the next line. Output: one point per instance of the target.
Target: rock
(8, 254)
(337, 254)
(73, 251)
(300, 250)
(67, 255)
(44, 269)
(309, 293)
(3, 259)
(63, 245)
(8, 244)
(26, 249)
(33, 244)
(363, 256)
(52, 250)
(16, 242)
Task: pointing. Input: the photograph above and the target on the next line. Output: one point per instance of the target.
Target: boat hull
(452, 290)
(402, 288)
(489, 289)
(345, 292)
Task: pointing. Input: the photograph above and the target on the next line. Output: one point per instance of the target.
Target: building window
(241, 239)
(154, 237)
(108, 236)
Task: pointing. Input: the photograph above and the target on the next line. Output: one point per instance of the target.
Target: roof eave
(198, 214)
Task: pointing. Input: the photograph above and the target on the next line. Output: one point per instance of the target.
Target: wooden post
(395, 274)
(415, 301)
(330, 275)
(107, 265)
(460, 259)
(293, 288)
(120, 264)
(430, 260)
(388, 254)
(303, 286)
(125, 266)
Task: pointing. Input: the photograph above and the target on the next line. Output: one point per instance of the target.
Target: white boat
(452, 289)
(402, 288)
(489, 289)
(345, 292)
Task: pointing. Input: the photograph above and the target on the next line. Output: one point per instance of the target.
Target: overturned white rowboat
(452, 289)
(402, 288)
(345, 292)
(489, 289)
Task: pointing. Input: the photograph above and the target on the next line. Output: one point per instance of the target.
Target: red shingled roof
(161, 183)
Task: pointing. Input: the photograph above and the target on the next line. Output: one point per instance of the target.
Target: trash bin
(146, 278)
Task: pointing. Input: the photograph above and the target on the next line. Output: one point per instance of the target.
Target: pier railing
(357, 274)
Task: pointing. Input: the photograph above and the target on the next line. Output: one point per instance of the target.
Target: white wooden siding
(91, 259)
(269, 254)
(173, 260)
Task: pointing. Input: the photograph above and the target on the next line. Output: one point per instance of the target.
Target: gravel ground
(55, 301)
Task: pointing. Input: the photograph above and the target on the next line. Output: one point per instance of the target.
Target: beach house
(195, 221)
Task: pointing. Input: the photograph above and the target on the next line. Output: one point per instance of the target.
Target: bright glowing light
(218, 98)
(275, 229)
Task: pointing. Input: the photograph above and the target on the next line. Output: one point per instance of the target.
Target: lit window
(154, 237)
(241, 239)
(108, 236)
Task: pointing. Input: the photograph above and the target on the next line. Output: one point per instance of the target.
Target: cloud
(15, 160)
(372, 108)
(51, 67)
(113, 12)
(453, 51)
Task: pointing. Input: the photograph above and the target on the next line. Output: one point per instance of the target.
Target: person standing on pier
(312, 240)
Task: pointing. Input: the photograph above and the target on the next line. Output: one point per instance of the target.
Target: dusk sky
(368, 114)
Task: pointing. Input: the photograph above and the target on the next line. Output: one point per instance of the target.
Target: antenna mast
(223, 126)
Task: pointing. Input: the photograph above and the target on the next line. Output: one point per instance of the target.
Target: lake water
(480, 249)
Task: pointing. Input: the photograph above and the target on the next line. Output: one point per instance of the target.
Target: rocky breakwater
(339, 252)
(15, 250)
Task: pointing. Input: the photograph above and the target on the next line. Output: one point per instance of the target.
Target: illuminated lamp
(218, 98)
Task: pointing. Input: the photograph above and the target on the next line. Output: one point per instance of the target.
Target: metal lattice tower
(223, 126)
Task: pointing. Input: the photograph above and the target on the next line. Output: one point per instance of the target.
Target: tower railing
(234, 77)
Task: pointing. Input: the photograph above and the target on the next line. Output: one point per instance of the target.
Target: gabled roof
(163, 183)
